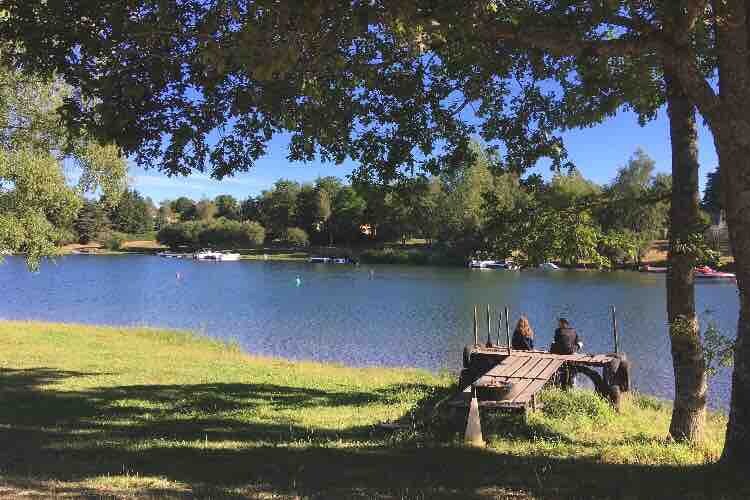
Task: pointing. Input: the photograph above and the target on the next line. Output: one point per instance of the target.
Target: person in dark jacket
(566, 339)
(523, 335)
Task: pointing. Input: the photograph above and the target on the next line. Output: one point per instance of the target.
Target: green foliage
(37, 206)
(718, 349)
(576, 403)
(205, 210)
(437, 255)
(296, 237)
(570, 189)
(254, 233)
(181, 235)
(279, 207)
(185, 208)
(102, 167)
(132, 213)
(697, 248)
(713, 200)
(220, 233)
(114, 241)
(91, 220)
(348, 215)
(621, 246)
(227, 207)
(637, 200)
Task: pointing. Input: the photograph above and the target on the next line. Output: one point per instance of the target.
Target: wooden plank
(531, 389)
(539, 368)
(530, 366)
(518, 387)
(554, 365)
(509, 365)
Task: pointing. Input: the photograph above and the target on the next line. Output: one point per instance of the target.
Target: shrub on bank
(434, 256)
(297, 237)
(222, 233)
(113, 241)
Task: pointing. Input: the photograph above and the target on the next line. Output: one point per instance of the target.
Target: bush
(181, 234)
(254, 233)
(561, 404)
(223, 233)
(297, 237)
(114, 241)
(417, 257)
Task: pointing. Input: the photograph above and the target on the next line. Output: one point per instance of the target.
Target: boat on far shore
(705, 272)
(217, 256)
(492, 264)
(701, 272)
(653, 269)
(332, 260)
(549, 266)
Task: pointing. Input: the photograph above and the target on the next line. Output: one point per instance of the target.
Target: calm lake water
(394, 315)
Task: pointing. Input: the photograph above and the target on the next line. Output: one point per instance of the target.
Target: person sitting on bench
(523, 335)
(566, 339)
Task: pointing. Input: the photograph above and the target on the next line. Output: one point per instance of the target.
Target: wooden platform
(519, 375)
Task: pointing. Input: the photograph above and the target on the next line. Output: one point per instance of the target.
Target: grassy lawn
(94, 411)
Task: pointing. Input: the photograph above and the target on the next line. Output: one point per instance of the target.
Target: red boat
(705, 272)
(701, 272)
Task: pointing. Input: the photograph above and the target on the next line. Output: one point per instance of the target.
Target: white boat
(491, 264)
(549, 266)
(331, 260)
(171, 255)
(217, 256)
(230, 256)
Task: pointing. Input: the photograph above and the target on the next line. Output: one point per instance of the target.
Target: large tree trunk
(689, 410)
(731, 129)
(734, 154)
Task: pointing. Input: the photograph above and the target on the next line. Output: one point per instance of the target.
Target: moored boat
(549, 266)
(491, 264)
(653, 269)
(705, 272)
(216, 256)
(171, 255)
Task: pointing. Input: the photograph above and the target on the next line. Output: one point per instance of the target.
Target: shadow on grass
(156, 431)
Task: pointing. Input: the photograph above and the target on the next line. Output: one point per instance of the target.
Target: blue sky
(597, 151)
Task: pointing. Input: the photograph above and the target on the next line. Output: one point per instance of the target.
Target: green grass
(275, 254)
(97, 411)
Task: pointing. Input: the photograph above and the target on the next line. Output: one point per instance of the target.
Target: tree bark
(733, 162)
(732, 139)
(689, 410)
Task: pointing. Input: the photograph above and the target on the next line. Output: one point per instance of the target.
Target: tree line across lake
(478, 211)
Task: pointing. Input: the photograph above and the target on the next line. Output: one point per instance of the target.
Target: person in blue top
(523, 335)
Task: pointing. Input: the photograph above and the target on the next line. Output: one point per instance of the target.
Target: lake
(367, 315)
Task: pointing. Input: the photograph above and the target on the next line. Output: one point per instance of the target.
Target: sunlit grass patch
(138, 412)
